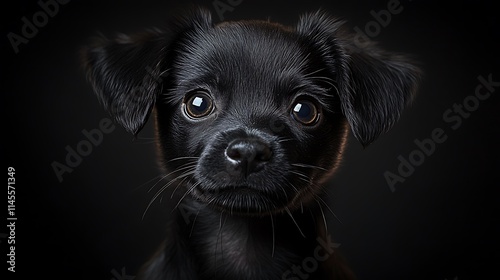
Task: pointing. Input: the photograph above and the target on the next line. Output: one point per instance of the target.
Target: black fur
(250, 174)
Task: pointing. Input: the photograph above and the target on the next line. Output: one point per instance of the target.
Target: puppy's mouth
(241, 199)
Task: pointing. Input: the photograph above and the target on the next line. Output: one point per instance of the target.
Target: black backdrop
(441, 222)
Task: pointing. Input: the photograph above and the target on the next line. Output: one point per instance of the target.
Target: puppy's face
(251, 116)
(259, 113)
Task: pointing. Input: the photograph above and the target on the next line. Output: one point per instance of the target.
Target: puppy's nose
(248, 155)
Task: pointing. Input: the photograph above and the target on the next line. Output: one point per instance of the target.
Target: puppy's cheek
(210, 171)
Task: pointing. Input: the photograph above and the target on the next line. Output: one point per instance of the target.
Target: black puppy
(251, 120)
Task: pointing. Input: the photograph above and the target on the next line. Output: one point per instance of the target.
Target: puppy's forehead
(245, 54)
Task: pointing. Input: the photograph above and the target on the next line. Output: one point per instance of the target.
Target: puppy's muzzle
(247, 155)
(245, 171)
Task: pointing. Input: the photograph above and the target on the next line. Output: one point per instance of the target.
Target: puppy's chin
(246, 200)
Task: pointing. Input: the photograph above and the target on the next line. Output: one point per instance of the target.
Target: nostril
(234, 152)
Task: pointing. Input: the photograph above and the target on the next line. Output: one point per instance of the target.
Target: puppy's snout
(248, 155)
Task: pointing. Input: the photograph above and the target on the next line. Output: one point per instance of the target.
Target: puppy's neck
(277, 246)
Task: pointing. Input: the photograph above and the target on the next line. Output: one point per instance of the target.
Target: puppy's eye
(305, 112)
(198, 105)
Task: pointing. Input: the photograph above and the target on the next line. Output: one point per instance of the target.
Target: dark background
(440, 223)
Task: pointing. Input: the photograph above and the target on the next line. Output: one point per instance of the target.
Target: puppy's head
(251, 116)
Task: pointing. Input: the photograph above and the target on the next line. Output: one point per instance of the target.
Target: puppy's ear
(127, 72)
(374, 86)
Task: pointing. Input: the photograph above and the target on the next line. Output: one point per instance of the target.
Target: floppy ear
(127, 72)
(374, 86)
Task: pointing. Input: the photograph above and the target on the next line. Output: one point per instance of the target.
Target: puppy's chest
(240, 253)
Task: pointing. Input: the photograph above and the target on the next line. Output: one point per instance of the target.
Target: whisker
(302, 177)
(182, 181)
(180, 168)
(323, 215)
(329, 209)
(295, 222)
(309, 166)
(163, 188)
(186, 193)
(291, 185)
(161, 179)
(194, 221)
(148, 181)
(283, 190)
(219, 236)
(181, 158)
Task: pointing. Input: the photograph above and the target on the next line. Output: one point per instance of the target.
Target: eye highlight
(198, 105)
(305, 112)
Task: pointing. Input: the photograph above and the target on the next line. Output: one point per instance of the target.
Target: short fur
(252, 174)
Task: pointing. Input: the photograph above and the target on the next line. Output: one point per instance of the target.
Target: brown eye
(305, 112)
(198, 105)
